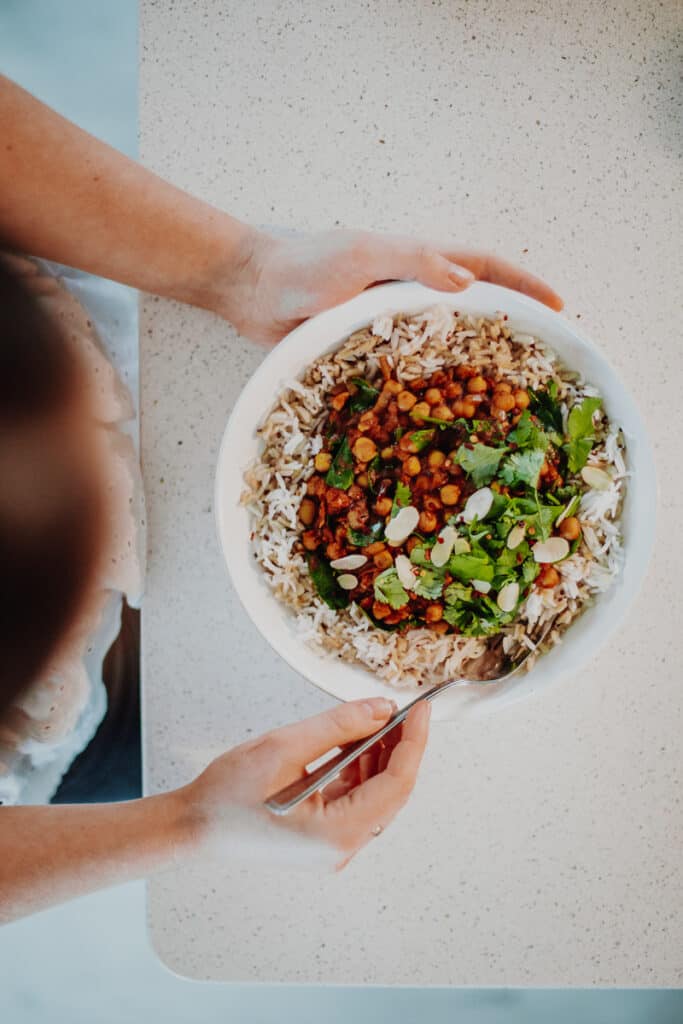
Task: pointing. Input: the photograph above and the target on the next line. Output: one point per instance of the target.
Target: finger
(488, 267)
(375, 802)
(305, 741)
(448, 268)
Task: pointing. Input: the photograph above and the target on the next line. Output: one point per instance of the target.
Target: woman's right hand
(225, 803)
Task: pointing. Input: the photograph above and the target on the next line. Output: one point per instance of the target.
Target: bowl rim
(342, 320)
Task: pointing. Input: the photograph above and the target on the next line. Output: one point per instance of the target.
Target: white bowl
(324, 333)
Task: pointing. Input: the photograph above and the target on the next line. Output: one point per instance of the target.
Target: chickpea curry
(441, 502)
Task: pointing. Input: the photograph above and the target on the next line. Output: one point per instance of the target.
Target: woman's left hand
(280, 282)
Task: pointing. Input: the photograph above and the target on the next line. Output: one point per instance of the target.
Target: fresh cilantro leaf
(523, 467)
(471, 567)
(544, 405)
(365, 397)
(469, 619)
(581, 433)
(418, 556)
(429, 583)
(421, 438)
(457, 592)
(340, 473)
(542, 520)
(389, 589)
(373, 471)
(402, 498)
(527, 435)
(480, 462)
(530, 570)
(325, 582)
(398, 433)
(361, 539)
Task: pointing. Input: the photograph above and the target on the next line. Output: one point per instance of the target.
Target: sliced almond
(553, 550)
(482, 586)
(406, 571)
(478, 505)
(515, 537)
(402, 525)
(441, 551)
(461, 546)
(508, 597)
(596, 478)
(347, 581)
(349, 562)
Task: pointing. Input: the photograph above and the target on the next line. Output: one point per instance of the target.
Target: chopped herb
(544, 405)
(365, 397)
(480, 462)
(373, 471)
(421, 438)
(443, 424)
(429, 583)
(389, 589)
(527, 434)
(325, 582)
(530, 570)
(340, 473)
(581, 433)
(361, 539)
(402, 498)
(523, 468)
(471, 567)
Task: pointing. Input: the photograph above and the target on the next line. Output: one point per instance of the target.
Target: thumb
(342, 724)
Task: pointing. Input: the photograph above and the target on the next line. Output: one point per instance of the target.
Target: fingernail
(460, 275)
(379, 707)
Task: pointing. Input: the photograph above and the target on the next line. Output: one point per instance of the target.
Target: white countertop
(542, 845)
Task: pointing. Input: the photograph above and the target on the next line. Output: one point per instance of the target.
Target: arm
(50, 854)
(68, 197)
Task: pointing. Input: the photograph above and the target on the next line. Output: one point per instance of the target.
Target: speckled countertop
(543, 846)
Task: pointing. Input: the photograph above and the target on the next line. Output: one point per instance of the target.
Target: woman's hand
(225, 801)
(273, 284)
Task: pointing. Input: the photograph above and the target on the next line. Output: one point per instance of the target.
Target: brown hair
(50, 525)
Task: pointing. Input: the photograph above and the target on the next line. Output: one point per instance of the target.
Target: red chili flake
(439, 540)
(505, 317)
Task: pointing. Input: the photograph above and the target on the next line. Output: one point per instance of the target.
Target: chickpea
(374, 549)
(383, 506)
(469, 410)
(503, 401)
(383, 559)
(453, 390)
(411, 543)
(310, 540)
(307, 511)
(428, 522)
(364, 449)
(548, 577)
(379, 610)
(521, 399)
(322, 462)
(412, 466)
(431, 503)
(432, 396)
(367, 421)
(339, 401)
(362, 480)
(436, 459)
(569, 528)
(421, 409)
(440, 627)
(434, 613)
(392, 387)
(405, 400)
(458, 407)
(476, 385)
(442, 412)
(502, 387)
(464, 372)
(450, 494)
(334, 550)
(387, 453)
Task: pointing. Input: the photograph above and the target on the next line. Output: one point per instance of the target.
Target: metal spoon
(491, 667)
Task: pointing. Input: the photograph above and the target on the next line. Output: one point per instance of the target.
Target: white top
(543, 846)
(57, 717)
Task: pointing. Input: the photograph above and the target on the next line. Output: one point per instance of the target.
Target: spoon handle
(286, 799)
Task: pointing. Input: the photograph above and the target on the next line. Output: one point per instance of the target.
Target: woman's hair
(50, 505)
